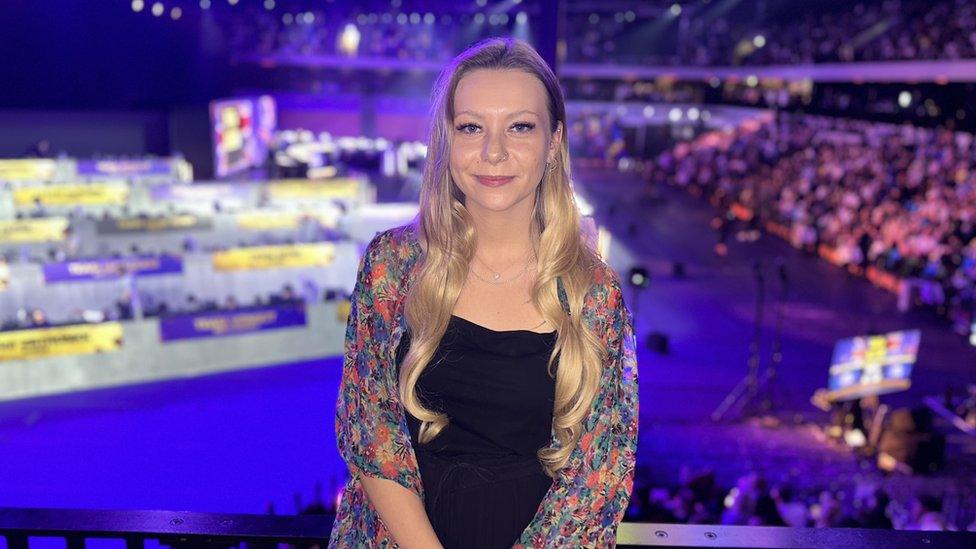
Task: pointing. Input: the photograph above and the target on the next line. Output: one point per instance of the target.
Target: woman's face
(500, 140)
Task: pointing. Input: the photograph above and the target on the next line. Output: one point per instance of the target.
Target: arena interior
(786, 187)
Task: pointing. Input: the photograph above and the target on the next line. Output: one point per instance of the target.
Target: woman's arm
(369, 433)
(402, 512)
(589, 496)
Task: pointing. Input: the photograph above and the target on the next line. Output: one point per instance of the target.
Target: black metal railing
(215, 530)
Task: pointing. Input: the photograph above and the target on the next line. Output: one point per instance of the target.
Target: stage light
(521, 18)
(594, 18)
(309, 17)
(714, 82)
(481, 3)
(429, 18)
(232, 2)
(479, 18)
(648, 111)
(158, 9)
(287, 18)
(176, 13)
(759, 41)
(361, 19)
(674, 114)
(137, 5)
(493, 19)
(630, 16)
(205, 4)
(706, 116)
(675, 9)
(414, 18)
(269, 4)
(503, 19)
(349, 40)
(904, 99)
(752, 81)
(693, 113)
(402, 18)
(639, 277)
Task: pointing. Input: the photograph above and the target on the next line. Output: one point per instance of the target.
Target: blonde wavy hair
(447, 238)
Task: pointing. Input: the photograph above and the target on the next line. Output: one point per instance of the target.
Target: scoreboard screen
(242, 130)
(872, 365)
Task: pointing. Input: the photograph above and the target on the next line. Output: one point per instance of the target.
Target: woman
(489, 391)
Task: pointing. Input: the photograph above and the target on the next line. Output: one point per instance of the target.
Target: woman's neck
(503, 237)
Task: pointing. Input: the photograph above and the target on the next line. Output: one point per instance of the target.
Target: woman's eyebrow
(514, 114)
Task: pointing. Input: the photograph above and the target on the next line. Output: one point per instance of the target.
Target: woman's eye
(519, 127)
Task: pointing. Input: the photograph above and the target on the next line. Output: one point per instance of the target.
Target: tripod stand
(753, 396)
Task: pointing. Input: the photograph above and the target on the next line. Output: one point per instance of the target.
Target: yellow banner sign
(42, 229)
(266, 220)
(72, 194)
(306, 189)
(27, 169)
(275, 257)
(78, 339)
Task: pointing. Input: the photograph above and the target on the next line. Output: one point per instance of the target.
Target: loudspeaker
(658, 342)
(909, 438)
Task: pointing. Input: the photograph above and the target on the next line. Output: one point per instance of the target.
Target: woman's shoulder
(396, 244)
(605, 285)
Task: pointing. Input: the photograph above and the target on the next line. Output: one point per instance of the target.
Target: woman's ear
(557, 136)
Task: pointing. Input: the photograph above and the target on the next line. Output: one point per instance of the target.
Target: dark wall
(85, 133)
(84, 54)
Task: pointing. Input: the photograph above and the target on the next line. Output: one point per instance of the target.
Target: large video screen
(873, 365)
(242, 131)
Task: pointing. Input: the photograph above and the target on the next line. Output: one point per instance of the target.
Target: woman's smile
(493, 180)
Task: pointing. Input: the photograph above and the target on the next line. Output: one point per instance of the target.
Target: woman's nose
(494, 149)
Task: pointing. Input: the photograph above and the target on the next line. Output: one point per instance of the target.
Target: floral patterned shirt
(588, 496)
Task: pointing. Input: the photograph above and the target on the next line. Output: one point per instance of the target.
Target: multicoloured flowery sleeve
(589, 496)
(370, 433)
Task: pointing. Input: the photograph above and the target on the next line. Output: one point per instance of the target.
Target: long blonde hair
(447, 238)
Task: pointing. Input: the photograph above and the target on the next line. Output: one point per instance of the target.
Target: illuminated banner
(152, 224)
(127, 168)
(275, 257)
(199, 193)
(43, 229)
(343, 188)
(107, 269)
(228, 323)
(73, 194)
(77, 339)
(27, 169)
(264, 220)
(267, 220)
(873, 365)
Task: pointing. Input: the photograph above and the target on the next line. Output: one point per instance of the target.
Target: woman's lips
(491, 181)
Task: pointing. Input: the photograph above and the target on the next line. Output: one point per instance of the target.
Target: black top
(482, 478)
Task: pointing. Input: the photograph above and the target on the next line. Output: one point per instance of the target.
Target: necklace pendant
(497, 276)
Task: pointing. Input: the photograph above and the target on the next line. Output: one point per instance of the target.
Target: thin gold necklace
(496, 275)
